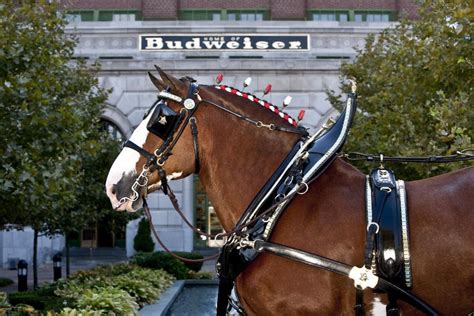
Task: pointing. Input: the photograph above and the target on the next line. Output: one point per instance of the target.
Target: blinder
(163, 120)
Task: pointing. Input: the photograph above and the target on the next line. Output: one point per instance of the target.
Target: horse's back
(441, 218)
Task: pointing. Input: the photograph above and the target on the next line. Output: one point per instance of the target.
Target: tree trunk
(67, 255)
(35, 258)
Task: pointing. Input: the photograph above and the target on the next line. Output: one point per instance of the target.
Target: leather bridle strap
(272, 127)
(149, 156)
(194, 132)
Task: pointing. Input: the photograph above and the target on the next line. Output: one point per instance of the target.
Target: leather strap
(149, 156)
(462, 155)
(194, 132)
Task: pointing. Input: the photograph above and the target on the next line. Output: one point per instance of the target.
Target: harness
(308, 159)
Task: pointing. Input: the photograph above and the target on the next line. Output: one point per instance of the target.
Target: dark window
(79, 16)
(200, 15)
(119, 15)
(374, 16)
(113, 130)
(327, 15)
(247, 15)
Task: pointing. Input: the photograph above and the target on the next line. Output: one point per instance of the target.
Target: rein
(235, 231)
(462, 155)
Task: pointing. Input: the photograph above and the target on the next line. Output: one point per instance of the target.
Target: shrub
(3, 301)
(143, 241)
(143, 285)
(194, 266)
(200, 275)
(110, 299)
(5, 282)
(162, 260)
(158, 278)
(106, 290)
(141, 289)
(74, 312)
(36, 299)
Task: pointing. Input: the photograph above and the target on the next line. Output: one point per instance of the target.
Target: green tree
(415, 86)
(143, 241)
(91, 204)
(49, 114)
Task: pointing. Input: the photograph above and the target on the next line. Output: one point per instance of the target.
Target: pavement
(45, 271)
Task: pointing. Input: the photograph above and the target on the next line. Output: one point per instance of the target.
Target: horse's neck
(239, 159)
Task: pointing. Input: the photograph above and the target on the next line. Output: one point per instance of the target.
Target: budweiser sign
(240, 42)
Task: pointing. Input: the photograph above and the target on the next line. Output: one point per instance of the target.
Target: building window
(200, 15)
(118, 15)
(382, 17)
(123, 17)
(79, 16)
(73, 18)
(342, 16)
(113, 130)
(374, 16)
(247, 15)
(223, 15)
(351, 15)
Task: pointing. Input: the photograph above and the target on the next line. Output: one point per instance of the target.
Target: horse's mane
(283, 115)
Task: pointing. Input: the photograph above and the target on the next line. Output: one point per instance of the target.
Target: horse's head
(146, 157)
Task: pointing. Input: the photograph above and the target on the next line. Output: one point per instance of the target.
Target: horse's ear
(169, 80)
(157, 82)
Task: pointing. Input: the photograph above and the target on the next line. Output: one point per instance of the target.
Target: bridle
(170, 125)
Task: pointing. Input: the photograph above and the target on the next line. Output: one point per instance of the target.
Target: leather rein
(157, 159)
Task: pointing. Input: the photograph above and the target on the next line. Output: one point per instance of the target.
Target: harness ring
(305, 187)
(376, 225)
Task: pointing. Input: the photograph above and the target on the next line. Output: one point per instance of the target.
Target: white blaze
(127, 159)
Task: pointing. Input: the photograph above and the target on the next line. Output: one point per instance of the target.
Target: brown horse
(236, 160)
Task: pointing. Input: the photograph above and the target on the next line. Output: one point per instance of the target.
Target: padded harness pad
(387, 211)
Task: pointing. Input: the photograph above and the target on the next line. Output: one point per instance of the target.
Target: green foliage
(110, 299)
(4, 300)
(143, 285)
(193, 266)
(114, 289)
(143, 241)
(50, 110)
(200, 275)
(161, 260)
(5, 282)
(37, 300)
(415, 86)
(74, 312)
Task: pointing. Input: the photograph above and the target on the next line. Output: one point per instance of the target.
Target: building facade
(203, 38)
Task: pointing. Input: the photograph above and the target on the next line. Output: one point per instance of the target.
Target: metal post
(57, 266)
(22, 276)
